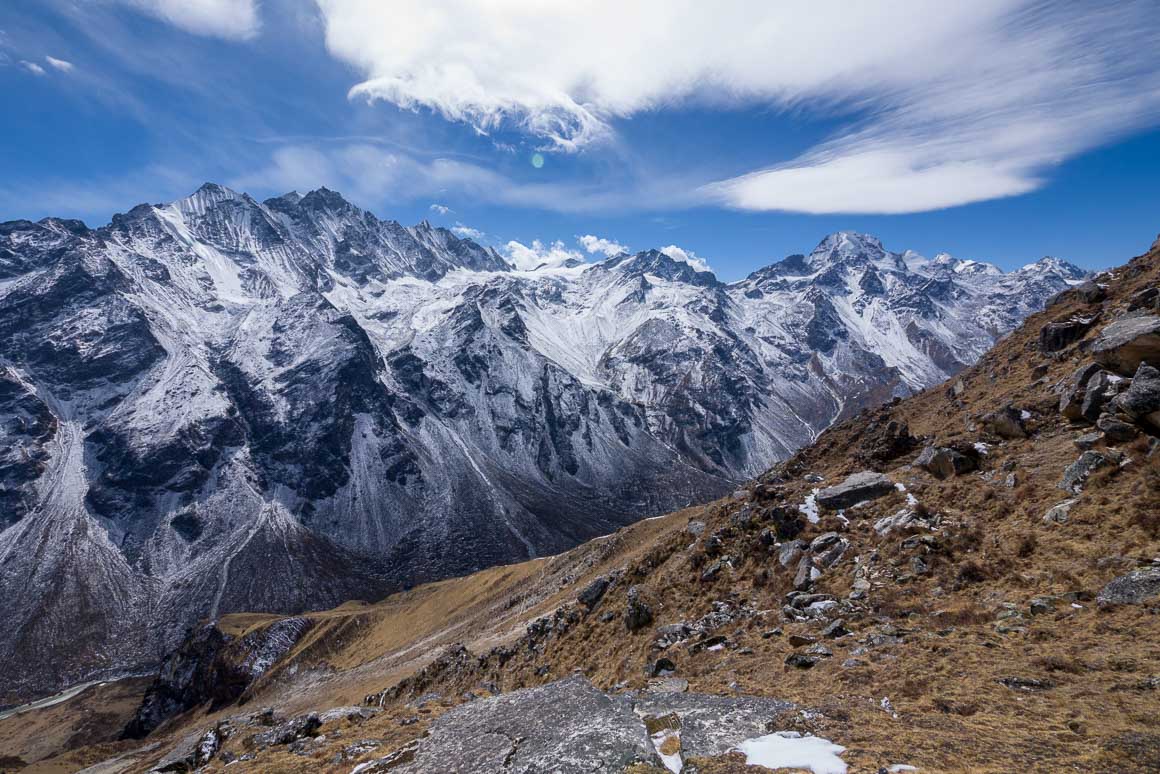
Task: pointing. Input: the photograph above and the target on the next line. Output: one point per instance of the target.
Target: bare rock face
(1135, 588)
(1127, 342)
(213, 667)
(858, 487)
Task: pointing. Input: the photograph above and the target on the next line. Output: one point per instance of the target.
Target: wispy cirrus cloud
(944, 103)
(229, 19)
(63, 65)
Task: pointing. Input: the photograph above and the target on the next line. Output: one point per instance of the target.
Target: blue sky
(1003, 130)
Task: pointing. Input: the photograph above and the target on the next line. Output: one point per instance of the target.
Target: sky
(729, 134)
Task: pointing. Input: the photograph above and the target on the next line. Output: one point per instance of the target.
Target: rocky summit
(220, 404)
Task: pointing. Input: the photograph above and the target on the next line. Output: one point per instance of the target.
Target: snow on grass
(810, 506)
(667, 743)
(789, 749)
(1024, 414)
(911, 500)
(980, 447)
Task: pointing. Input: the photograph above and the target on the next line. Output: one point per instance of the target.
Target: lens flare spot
(537, 160)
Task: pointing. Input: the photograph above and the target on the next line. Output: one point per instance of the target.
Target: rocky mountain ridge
(221, 404)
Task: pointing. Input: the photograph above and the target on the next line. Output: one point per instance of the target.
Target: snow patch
(810, 506)
(789, 749)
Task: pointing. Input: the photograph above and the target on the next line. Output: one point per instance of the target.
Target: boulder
(1127, 342)
(662, 667)
(591, 595)
(637, 613)
(670, 634)
(291, 730)
(1101, 388)
(1005, 423)
(801, 661)
(827, 557)
(1071, 400)
(791, 552)
(1091, 292)
(1077, 473)
(1115, 430)
(1148, 298)
(805, 575)
(1059, 513)
(1055, 336)
(1135, 588)
(1087, 441)
(355, 714)
(712, 571)
(857, 488)
(1141, 401)
(944, 462)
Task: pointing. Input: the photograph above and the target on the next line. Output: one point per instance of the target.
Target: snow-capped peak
(1049, 264)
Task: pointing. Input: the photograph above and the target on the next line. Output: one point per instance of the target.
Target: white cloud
(230, 19)
(688, 256)
(59, 64)
(595, 244)
(440, 209)
(467, 232)
(32, 67)
(538, 255)
(944, 103)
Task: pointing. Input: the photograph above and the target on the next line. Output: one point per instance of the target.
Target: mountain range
(221, 404)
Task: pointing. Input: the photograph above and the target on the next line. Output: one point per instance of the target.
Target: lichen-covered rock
(566, 726)
(1077, 473)
(1127, 342)
(1135, 588)
(712, 725)
(857, 488)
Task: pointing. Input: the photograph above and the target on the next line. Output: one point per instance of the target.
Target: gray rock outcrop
(857, 488)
